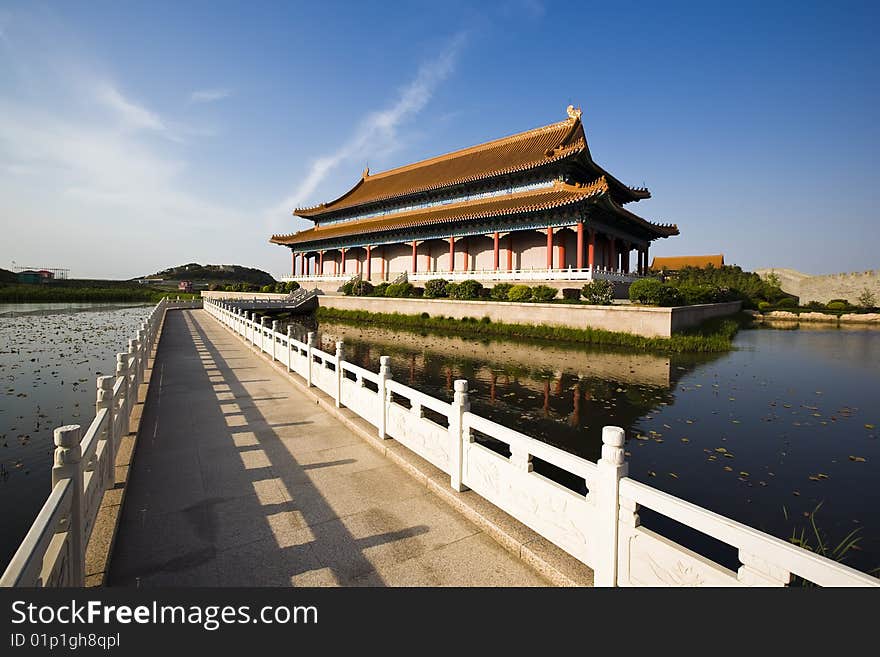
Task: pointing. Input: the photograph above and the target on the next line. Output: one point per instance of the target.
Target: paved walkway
(239, 479)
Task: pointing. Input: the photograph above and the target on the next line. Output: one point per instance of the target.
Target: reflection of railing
(601, 528)
(53, 551)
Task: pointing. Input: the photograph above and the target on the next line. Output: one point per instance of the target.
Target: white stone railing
(601, 528)
(568, 274)
(53, 551)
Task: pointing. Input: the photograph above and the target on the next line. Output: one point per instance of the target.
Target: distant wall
(828, 286)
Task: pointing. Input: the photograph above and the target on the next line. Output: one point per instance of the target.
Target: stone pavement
(240, 479)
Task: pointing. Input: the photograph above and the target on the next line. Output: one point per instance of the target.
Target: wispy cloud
(131, 114)
(377, 132)
(209, 95)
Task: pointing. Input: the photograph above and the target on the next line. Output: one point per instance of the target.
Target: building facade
(532, 206)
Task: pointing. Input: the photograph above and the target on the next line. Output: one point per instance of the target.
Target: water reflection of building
(561, 395)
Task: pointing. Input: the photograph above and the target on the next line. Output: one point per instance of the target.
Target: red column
(321, 265)
(613, 253)
(335, 266)
(647, 261)
(467, 264)
(495, 258)
(451, 254)
(369, 261)
(580, 255)
(357, 265)
(562, 253)
(382, 260)
(591, 249)
(415, 264)
(550, 247)
(342, 260)
(292, 263)
(510, 252)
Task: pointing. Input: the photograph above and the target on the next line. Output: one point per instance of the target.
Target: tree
(867, 299)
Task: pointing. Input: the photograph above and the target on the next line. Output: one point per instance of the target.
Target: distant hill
(226, 273)
(7, 276)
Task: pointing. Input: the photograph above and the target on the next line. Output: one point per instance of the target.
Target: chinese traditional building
(532, 206)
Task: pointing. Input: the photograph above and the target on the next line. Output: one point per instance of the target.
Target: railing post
(122, 370)
(68, 465)
(253, 328)
(310, 339)
(105, 400)
(274, 330)
(262, 334)
(460, 405)
(340, 356)
(611, 469)
(144, 352)
(384, 394)
(289, 348)
(133, 354)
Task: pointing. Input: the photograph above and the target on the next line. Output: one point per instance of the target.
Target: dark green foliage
(379, 290)
(519, 293)
(466, 290)
(242, 287)
(836, 305)
(786, 302)
(544, 293)
(670, 296)
(361, 288)
(599, 292)
(145, 293)
(764, 305)
(843, 301)
(485, 320)
(399, 290)
(571, 294)
(436, 288)
(424, 315)
(345, 288)
(267, 289)
(646, 291)
(500, 291)
(713, 336)
(741, 285)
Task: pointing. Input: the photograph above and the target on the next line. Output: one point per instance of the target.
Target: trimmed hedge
(501, 291)
(519, 293)
(599, 292)
(544, 293)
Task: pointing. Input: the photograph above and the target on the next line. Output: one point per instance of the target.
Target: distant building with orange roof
(674, 263)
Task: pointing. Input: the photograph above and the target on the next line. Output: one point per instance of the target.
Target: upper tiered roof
(517, 153)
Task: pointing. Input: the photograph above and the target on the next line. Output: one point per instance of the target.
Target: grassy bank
(713, 336)
(52, 293)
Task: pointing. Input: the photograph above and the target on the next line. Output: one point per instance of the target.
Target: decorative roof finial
(572, 112)
(366, 172)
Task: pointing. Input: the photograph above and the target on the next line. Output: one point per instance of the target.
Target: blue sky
(135, 136)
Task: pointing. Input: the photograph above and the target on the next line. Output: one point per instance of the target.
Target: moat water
(763, 434)
(785, 424)
(50, 356)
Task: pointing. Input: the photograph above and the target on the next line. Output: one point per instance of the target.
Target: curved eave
(559, 195)
(658, 230)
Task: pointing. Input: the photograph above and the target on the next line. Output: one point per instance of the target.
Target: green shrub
(867, 299)
(646, 291)
(291, 286)
(670, 296)
(787, 302)
(501, 291)
(764, 305)
(599, 292)
(466, 290)
(485, 320)
(267, 288)
(399, 290)
(417, 292)
(815, 305)
(843, 301)
(519, 293)
(345, 288)
(571, 293)
(692, 294)
(425, 316)
(379, 290)
(544, 293)
(361, 288)
(836, 305)
(436, 288)
(451, 290)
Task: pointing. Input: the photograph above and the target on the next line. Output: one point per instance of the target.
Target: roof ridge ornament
(366, 172)
(573, 113)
